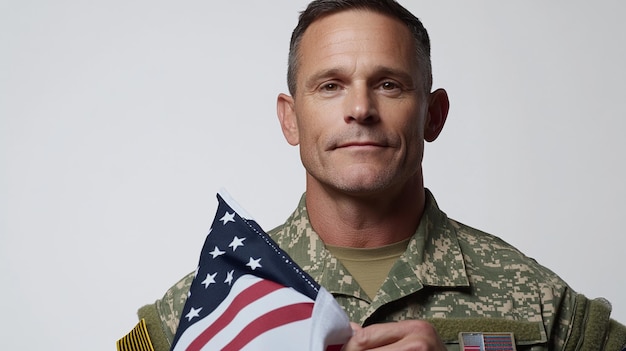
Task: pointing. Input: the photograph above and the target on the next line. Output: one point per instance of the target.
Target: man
(360, 108)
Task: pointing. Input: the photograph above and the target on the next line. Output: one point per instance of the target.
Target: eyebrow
(403, 76)
(323, 74)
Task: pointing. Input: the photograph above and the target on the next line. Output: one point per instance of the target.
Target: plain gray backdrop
(120, 120)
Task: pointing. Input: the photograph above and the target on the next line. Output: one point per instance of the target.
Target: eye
(330, 87)
(389, 85)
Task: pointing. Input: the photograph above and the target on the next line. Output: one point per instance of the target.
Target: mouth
(360, 145)
(361, 140)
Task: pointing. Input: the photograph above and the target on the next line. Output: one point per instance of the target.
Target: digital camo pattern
(449, 270)
(170, 307)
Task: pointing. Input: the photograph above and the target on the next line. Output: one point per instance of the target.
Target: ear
(438, 106)
(287, 117)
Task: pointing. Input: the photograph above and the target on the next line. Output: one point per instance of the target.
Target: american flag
(248, 294)
(487, 342)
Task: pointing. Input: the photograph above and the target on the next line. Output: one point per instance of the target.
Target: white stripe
(330, 324)
(278, 298)
(289, 337)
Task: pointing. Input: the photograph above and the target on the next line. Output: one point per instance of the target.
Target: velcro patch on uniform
(137, 340)
(487, 341)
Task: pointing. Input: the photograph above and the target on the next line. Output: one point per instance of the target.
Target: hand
(406, 335)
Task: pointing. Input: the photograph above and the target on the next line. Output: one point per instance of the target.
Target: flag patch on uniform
(487, 341)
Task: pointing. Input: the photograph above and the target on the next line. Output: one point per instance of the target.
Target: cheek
(412, 132)
(308, 137)
(411, 129)
(308, 134)
(314, 122)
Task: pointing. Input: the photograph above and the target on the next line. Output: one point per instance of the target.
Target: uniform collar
(434, 250)
(433, 256)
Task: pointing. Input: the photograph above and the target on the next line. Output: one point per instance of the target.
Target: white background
(120, 120)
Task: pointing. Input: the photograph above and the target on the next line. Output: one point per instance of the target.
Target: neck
(343, 219)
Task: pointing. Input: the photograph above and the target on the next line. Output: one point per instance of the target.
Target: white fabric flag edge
(234, 204)
(330, 324)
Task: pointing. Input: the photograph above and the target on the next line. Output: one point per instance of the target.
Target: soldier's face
(359, 110)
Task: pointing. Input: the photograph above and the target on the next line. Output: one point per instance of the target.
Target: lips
(360, 144)
(360, 139)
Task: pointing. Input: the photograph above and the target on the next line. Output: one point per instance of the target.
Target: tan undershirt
(369, 267)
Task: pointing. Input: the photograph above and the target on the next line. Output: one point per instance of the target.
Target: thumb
(355, 328)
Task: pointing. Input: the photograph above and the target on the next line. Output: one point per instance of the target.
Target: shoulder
(487, 253)
(163, 315)
(490, 261)
(505, 280)
(502, 275)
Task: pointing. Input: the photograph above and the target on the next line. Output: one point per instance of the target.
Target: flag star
(254, 264)
(216, 252)
(229, 277)
(193, 313)
(210, 279)
(228, 217)
(236, 243)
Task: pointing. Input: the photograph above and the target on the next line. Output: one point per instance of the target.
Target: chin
(364, 185)
(361, 181)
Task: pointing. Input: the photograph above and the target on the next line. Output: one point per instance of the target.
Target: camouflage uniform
(458, 278)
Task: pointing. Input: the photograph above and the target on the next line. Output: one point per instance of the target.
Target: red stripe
(247, 296)
(334, 347)
(270, 320)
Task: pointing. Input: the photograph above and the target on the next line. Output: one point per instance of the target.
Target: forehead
(357, 38)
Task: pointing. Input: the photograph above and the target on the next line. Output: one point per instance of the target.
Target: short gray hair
(321, 8)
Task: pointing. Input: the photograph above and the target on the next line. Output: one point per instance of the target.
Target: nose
(360, 106)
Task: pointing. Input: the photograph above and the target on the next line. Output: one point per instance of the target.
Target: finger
(414, 335)
(355, 326)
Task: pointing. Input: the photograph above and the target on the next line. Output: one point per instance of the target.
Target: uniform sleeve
(593, 329)
(161, 318)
